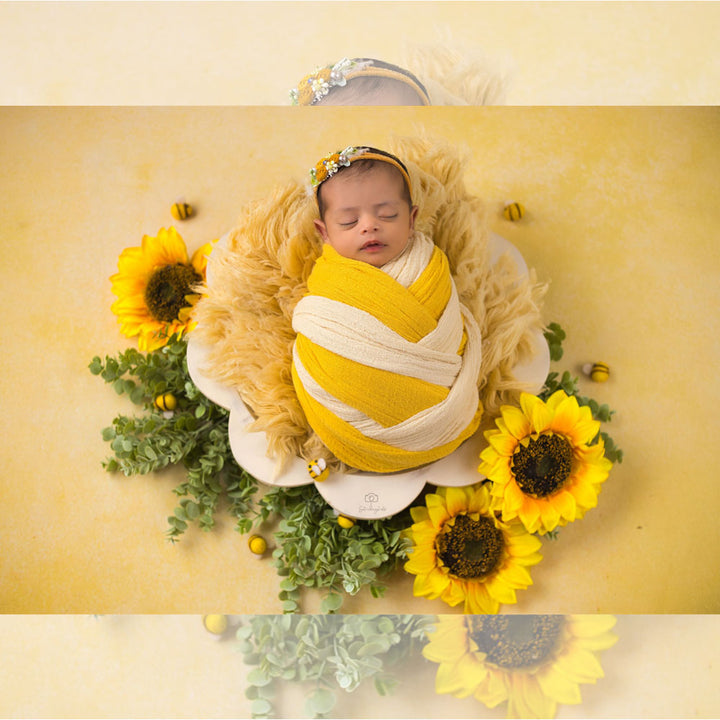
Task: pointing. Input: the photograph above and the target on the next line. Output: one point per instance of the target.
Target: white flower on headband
(314, 87)
(330, 164)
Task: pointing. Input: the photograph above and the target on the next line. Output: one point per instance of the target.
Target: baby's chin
(378, 258)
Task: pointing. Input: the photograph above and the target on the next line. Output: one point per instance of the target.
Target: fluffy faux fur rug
(245, 317)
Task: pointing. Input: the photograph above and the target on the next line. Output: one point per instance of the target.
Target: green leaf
(332, 603)
(260, 707)
(321, 702)
(289, 606)
(258, 677)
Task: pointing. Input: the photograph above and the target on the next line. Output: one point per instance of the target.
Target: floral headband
(313, 88)
(326, 167)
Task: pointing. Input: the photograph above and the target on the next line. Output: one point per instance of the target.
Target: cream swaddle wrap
(386, 360)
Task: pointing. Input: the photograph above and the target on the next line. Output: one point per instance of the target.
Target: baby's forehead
(364, 174)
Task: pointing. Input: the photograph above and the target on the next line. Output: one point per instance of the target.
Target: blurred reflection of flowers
(531, 662)
(524, 665)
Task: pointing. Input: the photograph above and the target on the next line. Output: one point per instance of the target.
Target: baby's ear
(322, 229)
(413, 215)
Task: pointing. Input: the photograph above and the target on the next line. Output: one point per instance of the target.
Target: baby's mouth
(372, 245)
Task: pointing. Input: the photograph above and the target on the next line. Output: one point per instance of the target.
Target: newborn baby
(386, 360)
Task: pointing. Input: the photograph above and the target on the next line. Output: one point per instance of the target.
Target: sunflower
(462, 553)
(532, 662)
(154, 285)
(543, 468)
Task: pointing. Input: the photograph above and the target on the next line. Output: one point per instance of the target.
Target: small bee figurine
(257, 544)
(181, 211)
(345, 522)
(513, 211)
(598, 372)
(166, 402)
(318, 470)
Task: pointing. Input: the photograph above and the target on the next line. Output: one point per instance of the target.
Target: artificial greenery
(311, 551)
(326, 654)
(555, 335)
(314, 551)
(194, 434)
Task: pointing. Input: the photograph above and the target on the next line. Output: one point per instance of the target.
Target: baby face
(366, 216)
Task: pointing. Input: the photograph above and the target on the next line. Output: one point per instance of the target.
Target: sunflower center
(516, 641)
(471, 549)
(167, 288)
(542, 466)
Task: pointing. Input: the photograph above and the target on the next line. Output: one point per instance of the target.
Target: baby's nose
(368, 223)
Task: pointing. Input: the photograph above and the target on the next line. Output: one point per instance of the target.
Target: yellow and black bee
(181, 211)
(318, 470)
(513, 211)
(598, 372)
(166, 401)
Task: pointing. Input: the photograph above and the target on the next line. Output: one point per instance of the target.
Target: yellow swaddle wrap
(386, 360)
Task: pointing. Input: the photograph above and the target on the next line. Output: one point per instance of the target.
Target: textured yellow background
(622, 218)
(169, 666)
(251, 53)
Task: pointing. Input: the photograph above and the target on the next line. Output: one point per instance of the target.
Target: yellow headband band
(326, 167)
(314, 87)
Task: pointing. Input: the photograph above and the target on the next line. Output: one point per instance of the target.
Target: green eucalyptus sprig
(326, 653)
(555, 335)
(315, 552)
(194, 434)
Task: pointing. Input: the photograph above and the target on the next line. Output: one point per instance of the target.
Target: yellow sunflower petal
(479, 601)
(502, 443)
(446, 639)
(559, 687)
(431, 585)
(167, 248)
(421, 561)
(585, 626)
(527, 700)
(449, 681)
(516, 422)
(419, 514)
(529, 514)
(200, 257)
(456, 500)
(580, 665)
(496, 690)
(517, 576)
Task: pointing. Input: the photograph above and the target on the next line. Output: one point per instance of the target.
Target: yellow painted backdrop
(622, 218)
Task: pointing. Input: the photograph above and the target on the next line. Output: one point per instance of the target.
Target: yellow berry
(345, 522)
(216, 624)
(181, 211)
(166, 401)
(513, 211)
(257, 544)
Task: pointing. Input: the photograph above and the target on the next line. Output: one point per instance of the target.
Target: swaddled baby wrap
(386, 360)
